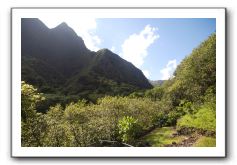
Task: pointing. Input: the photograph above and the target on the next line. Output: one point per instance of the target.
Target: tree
(155, 94)
(29, 99)
(33, 124)
(195, 74)
(58, 133)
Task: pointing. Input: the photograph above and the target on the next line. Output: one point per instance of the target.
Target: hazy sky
(156, 46)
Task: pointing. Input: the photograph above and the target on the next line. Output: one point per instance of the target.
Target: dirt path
(168, 137)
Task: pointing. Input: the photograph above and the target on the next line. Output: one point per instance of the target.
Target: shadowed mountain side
(57, 61)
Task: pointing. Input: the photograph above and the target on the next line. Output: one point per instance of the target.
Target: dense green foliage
(82, 124)
(204, 118)
(95, 106)
(32, 123)
(195, 74)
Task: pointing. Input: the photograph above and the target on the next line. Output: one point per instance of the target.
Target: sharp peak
(62, 25)
(104, 50)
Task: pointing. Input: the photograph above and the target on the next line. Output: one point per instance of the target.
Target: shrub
(204, 119)
(128, 129)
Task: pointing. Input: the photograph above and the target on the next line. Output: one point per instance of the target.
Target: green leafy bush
(205, 119)
(127, 129)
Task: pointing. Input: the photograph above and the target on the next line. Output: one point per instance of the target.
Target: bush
(204, 119)
(128, 129)
(172, 118)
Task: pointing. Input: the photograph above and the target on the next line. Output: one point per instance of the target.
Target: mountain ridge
(72, 67)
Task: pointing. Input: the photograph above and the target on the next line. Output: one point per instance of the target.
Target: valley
(74, 97)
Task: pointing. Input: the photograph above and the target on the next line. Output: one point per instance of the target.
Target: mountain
(156, 82)
(57, 61)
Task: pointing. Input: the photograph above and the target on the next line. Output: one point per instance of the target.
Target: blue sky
(156, 46)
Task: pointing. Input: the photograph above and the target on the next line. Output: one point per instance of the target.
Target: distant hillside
(156, 82)
(57, 61)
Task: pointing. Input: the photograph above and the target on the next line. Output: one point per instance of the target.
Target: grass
(162, 136)
(205, 142)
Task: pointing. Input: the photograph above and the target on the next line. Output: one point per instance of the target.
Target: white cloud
(113, 49)
(84, 27)
(146, 73)
(168, 71)
(134, 48)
